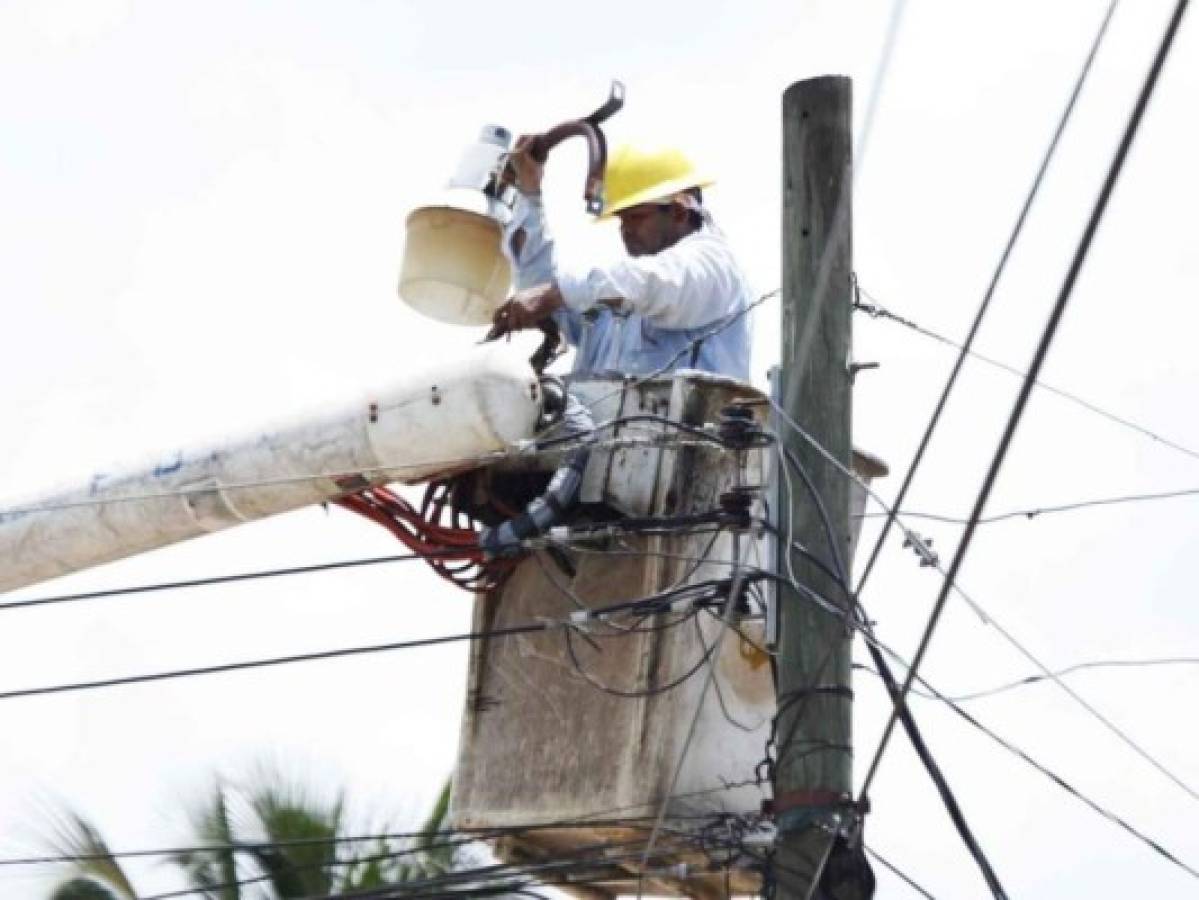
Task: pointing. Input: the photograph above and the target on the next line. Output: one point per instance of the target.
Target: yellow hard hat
(641, 175)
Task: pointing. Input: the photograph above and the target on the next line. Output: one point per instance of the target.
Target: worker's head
(650, 228)
(657, 195)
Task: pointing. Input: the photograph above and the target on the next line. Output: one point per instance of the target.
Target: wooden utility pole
(813, 776)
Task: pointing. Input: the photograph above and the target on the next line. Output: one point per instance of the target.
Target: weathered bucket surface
(542, 743)
(453, 268)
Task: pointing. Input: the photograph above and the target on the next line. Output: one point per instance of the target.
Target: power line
(898, 873)
(1059, 673)
(985, 615)
(582, 856)
(984, 305)
(877, 311)
(546, 625)
(207, 581)
(735, 589)
(871, 639)
(1048, 332)
(1057, 779)
(1048, 510)
(940, 782)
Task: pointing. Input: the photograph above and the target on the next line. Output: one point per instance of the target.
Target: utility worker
(679, 300)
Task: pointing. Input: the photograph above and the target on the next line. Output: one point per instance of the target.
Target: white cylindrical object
(437, 420)
(480, 160)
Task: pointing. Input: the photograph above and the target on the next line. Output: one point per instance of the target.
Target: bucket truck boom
(441, 419)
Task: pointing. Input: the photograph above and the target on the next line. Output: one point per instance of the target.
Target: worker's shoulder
(707, 243)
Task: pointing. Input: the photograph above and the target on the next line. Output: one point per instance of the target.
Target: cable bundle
(450, 547)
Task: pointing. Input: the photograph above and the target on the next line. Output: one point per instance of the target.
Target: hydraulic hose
(560, 495)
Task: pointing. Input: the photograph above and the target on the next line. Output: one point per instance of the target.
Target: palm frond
(213, 871)
(288, 812)
(71, 834)
(82, 888)
(436, 857)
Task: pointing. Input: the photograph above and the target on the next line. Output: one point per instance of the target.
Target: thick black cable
(648, 692)
(207, 581)
(871, 640)
(286, 660)
(630, 419)
(450, 877)
(1000, 268)
(905, 878)
(1059, 781)
(1048, 333)
(900, 709)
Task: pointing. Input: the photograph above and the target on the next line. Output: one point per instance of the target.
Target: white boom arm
(433, 421)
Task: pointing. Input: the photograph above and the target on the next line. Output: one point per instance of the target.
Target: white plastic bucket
(453, 269)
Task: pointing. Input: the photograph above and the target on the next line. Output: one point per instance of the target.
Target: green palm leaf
(82, 889)
(73, 835)
(212, 871)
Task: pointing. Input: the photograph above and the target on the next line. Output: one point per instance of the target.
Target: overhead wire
(985, 615)
(900, 874)
(871, 639)
(1047, 335)
(1059, 673)
(206, 581)
(857, 615)
(528, 628)
(730, 606)
(876, 310)
(988, 296)
(499, 871)
(590, 820)
(1049, 510)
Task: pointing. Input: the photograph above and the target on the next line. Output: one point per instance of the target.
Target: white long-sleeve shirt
(641, 314)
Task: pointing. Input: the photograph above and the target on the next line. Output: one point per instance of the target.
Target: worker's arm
(530, 246)
(691, 284)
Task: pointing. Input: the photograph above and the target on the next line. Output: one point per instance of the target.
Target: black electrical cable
(576, 862)
(284, 660)
(872, 640)
(900, 709)
(724, 709)
(445, 878)
(1047, 335)
(648, 692)
(1000, 268)
(208, 580)
(907, 879)
(630, 419)
(1057, 779)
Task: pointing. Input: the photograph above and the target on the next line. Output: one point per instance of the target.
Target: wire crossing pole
(813, 774)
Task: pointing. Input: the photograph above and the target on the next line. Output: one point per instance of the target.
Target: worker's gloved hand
(525, 309)
(529, 171)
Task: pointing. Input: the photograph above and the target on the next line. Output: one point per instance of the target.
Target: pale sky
(201, 220)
